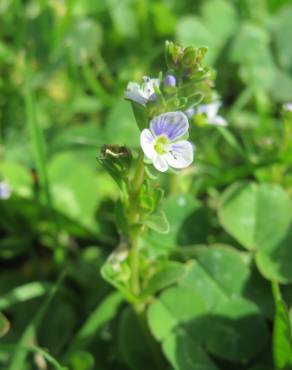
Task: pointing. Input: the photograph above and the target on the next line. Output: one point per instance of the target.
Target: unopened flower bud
(170, 80)
(190, 112)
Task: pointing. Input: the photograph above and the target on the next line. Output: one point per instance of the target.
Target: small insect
(114, 151)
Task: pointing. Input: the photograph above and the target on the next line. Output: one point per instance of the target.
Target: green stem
(134, 264)
(135, 229)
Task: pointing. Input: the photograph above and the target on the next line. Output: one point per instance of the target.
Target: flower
(287, 107)
(141, 94)
(210, 111)
(164, 143)
(5, 190)
(170, 80)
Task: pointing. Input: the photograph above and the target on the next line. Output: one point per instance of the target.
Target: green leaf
(165, 314)
(207, 308)
(253, 40)
(24, 293)
(188, 222)
(168, 273)
(18, 177)
(74, 188)
(4, 325)
(191, 30)
(237, 332)
(104, 312)
(28, 334)
(213, 29)
(165, 18)
(220, 17)
(185, 354)
(282, 34)
(255, 215)
(282, 336)
(158, 222)
(121, 127)
(212, 275)
(259, 217)
(84, 39)
(140, 115)
(281, 89)
(137, 347)
(123, 17)
(168, 321)
(81, 360)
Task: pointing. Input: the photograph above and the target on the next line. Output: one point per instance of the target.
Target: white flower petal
(160, 163)
(210, 109)
(147, 143)
(134, 93)
(218, 120)
(181, 154)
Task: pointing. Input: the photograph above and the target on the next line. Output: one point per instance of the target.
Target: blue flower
(141, 94)
(164, 143)
(5, 190)
(287, 107)
(210, 111)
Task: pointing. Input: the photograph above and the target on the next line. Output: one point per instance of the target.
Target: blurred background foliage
(64, 65)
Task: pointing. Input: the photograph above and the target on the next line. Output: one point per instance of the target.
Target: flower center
(160, 144)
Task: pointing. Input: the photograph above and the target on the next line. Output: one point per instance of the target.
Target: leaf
(82, 360)
(185, 354)
(140, 115)
(255, 214)
(169, 272)
(212, 275)
(18, 177)
(103, 313)
(74, 188)
(164, 18)
(188, 222)
(135, 344)
(4, 325)
(28, 334)
(84, 39)
(121, 127)
(23, 293)
(259, 217)
(281, 89)
(207, 310)
(282, 34)
(165, 314)
(158, 222)
(282, 336)
(123, 17)
(221, 18)
(191, 30)
(213, 29)
(254, 40)
(237, 332)
(168, 322)
(14, 246)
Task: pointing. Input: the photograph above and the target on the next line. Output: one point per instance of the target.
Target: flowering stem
(135, 230)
